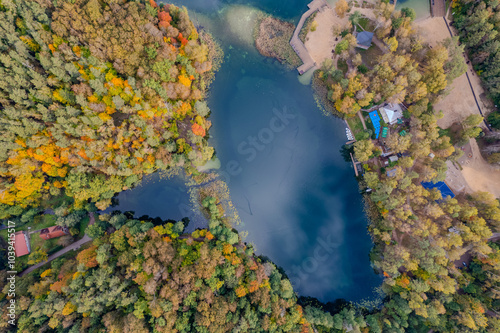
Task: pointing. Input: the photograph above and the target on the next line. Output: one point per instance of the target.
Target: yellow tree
(341, 7)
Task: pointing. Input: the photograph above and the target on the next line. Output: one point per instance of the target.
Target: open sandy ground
(459, 101)
(433, 30)
(456, 180)
(480, 175)
(321, 42)
(457, 104)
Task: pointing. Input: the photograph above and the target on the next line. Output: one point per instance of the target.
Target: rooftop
(391, 113)
(22, 245)
(53, 232)
(364, 39)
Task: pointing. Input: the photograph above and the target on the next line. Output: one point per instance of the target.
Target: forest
(87, 111)
(95, 94)
(478, 23)
(406, 72)
(144, 277)
(421, 239)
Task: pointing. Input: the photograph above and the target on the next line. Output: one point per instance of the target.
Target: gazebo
(364, 39)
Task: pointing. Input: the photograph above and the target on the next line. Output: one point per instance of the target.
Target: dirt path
(479, 174)
(74, 246)
(438, 8)
(362, 119)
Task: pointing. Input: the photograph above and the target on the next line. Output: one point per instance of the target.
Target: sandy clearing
(458, 104)
(321, 42)
(456, 180)
(433, 30)
(459, 101)
(480, 175)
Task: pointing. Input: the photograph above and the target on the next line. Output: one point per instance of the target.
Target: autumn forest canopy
(95, 94)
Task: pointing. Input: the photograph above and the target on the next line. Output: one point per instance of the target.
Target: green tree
(363, 150)
(37, 256)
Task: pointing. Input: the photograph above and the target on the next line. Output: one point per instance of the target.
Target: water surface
(280, 157)
(422, 7)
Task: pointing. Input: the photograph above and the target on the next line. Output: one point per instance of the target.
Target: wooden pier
(297, 44)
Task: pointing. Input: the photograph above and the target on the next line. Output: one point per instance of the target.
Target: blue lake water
(298, 199)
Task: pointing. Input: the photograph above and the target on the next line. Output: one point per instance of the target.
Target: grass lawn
(82, 226)
(39, 222)
(369, 123)
(364, 23)
(370, 56)
(342, 65)
(356, 127)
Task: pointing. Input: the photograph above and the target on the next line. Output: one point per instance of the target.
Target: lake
(298, 199)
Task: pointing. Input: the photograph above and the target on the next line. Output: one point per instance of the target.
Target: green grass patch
(82, 225)
(342, 65)
(371, 55)
(444, 132)
(306, 27)
(364, 23)
(39, 222)
(369, 125)
(357, 128)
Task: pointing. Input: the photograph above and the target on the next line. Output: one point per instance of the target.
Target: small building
(364, 39)
(360, 169)
(53, 232)
(392, 172)
(393, 158)
(391, 113)
(22, 244)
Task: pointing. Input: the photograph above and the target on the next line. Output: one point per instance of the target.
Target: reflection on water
(280, 157)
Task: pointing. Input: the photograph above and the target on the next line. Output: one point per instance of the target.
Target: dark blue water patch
(294, 192)
(160, 197)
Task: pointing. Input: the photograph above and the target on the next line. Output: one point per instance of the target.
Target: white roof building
(391, 113)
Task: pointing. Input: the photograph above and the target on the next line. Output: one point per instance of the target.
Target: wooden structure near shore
(438, 8)
(297, 44)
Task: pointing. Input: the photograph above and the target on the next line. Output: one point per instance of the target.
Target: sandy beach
(321, 42)
(479, 174)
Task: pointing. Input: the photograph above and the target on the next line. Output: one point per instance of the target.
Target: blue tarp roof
(365, 38)
(375, 118)
(441, 187)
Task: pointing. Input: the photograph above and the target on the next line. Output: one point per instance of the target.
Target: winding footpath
(74, 246)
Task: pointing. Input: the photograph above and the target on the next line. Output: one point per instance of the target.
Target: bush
(362, 69)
